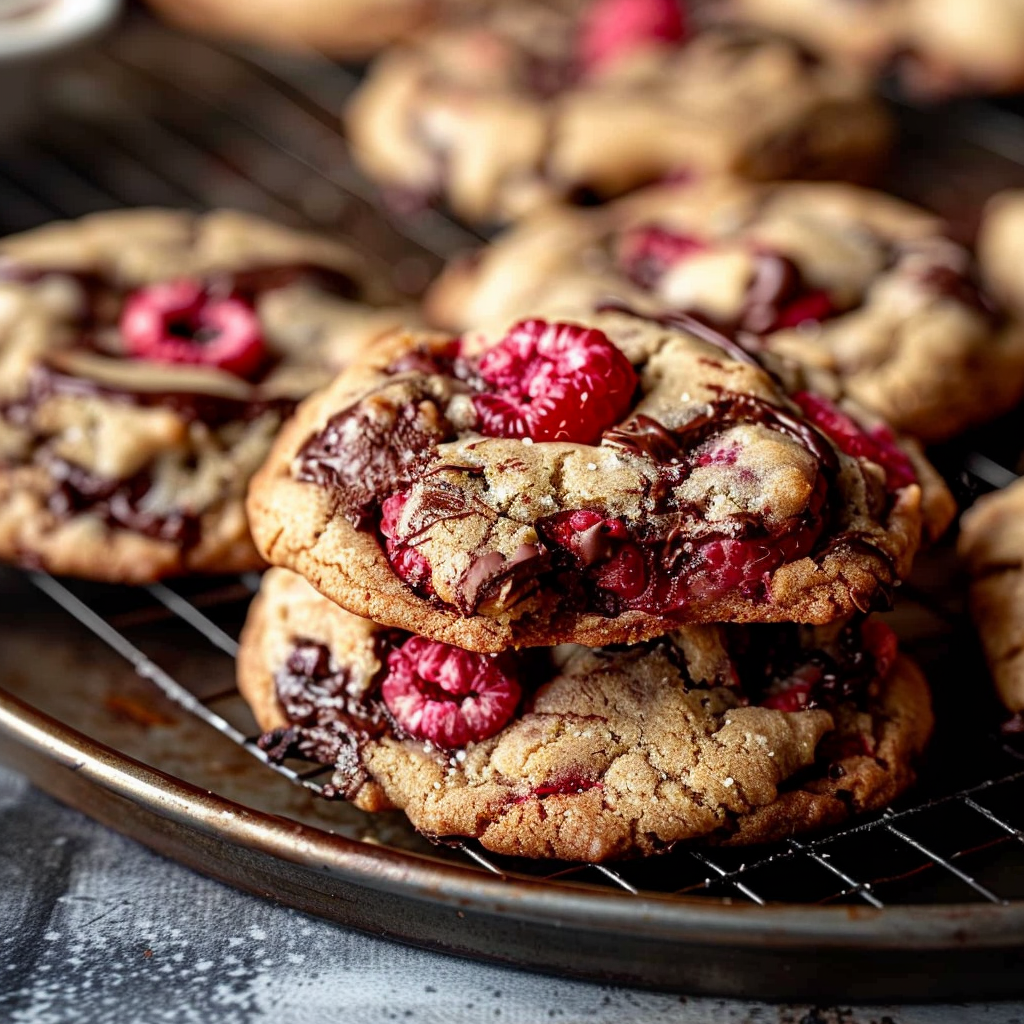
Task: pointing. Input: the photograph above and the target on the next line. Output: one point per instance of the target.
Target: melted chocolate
(692, 324)
(247, 283)
(776, 280)
(362, 457)
(119, 503)
(648, 438)
(328, 724)
(490, 571)
(962, 288)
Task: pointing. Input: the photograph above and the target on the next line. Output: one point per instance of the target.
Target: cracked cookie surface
(861, 290)
(147, 359)
(681, 485)
(731, 734)
(539, 103)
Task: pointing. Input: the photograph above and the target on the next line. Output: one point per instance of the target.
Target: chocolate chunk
(776, 279)
(372, 450)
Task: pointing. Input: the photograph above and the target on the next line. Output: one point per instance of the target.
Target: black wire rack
(125, 126)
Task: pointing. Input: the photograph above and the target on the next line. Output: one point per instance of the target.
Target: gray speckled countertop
(95, 928)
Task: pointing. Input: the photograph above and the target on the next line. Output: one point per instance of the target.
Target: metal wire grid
(260, 132)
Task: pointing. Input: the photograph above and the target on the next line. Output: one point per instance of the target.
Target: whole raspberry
(612, 28)
(179, 322)
(645, 254)
(554, 382)
(879, 445)
(446, 695)
(409, 564)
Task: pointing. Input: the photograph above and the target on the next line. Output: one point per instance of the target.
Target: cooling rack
(122, 701)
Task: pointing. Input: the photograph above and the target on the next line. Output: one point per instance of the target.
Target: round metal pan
(698, 946)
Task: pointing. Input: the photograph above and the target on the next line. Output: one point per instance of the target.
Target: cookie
(861, 290)
(1001, 248)
(597, 481)
(147, 360)
(936, 47)
(991, 546)
(537, 103)
(734, 735)
(353, 29)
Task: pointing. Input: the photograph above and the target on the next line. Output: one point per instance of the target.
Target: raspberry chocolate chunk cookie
(992, 548)
(733, 734)
(596, 481)
(147, 359)
(534, 104)
(936, 46)
(861, 290)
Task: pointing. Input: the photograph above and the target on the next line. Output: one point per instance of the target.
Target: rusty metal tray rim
(424, 879)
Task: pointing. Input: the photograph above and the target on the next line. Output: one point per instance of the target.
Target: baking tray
(121, 702)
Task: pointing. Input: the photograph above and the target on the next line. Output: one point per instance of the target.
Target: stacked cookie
(147, 359)
(587, 588)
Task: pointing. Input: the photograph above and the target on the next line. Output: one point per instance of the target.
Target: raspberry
(612, 28)
(446, 695)
(554, 382)
(796, 692)
(409, 564)
(811, 306)
(881, 643)
(737, 565)
(879, 445)
(179, 322)
(646, 253)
